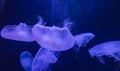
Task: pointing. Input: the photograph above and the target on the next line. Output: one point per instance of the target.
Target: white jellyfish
(58, 39)
(82, 40)
(26, 60)
(20, 32)
(110, 48)
(43, 59)
(53, 38)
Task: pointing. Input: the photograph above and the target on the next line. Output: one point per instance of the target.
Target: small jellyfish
(82, 40)
(110, 48)
(53, 38)
(26, 60)
(20, 32)
(43, 59)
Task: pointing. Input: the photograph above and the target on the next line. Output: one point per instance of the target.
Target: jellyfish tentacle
(57, 53)
(68, 24)
(115, 57)
(100, 58)
(48, 68)
(76, 48)
(41, 21)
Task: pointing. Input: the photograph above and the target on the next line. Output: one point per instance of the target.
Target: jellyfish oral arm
(100, 58)
(115, 57)
(43, 59)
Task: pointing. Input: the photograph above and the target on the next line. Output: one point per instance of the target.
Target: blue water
(100, 17)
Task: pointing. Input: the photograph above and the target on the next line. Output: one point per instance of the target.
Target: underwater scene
(59, 35)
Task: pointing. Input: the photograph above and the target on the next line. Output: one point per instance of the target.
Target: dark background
(101, 17)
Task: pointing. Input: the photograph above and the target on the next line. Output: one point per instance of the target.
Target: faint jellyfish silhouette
(26, 60)
(20, 32)
(53, 38)
(1, 7)
(111, 49)
(82, 40)
(43, 59)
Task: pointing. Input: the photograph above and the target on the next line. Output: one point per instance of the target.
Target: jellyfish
(26, 60)
(53, 38)
(110, 49)
(56, 38)
(20, 32)
(43, 59)
(82, 40)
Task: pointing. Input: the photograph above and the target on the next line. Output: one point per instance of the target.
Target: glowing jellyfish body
(82, 40)
(20, 32)
(26, 60)
(111, 49)
(53, 38)
(43, 59)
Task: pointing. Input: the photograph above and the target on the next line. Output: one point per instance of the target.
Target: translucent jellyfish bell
(111, 49)
(26, 60)
(53, 38)
(82, 40)
(20, 32)
(43, 59)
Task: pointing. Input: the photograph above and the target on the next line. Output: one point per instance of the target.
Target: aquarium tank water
(59, 35)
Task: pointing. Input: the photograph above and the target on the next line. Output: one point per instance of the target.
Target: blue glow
(59, 11)
(26, 60)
